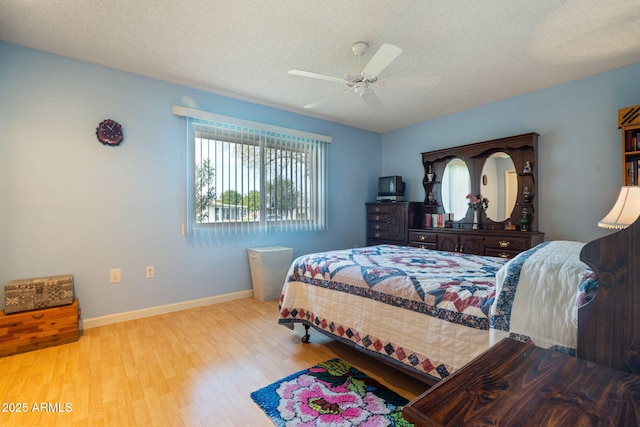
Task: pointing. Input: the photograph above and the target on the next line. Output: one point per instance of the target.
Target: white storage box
(269, 266)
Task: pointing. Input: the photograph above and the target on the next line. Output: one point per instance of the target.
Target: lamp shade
(625, 211)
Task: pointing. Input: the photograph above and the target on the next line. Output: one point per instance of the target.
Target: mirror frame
(521, 149)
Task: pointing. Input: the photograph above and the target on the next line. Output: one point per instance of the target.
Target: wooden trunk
(32, 330)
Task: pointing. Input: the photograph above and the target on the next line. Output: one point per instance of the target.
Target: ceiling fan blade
(383, 57)
(325, 99)
(317, 76)
(417, 81)
(372, 100)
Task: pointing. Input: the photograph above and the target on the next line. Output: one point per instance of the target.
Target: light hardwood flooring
(190, 368)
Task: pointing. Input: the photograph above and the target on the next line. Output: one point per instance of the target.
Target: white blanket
(544, 284)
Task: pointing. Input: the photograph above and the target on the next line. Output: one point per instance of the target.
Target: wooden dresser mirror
(502, 170)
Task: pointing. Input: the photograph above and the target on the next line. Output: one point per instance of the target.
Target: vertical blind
(250, 177)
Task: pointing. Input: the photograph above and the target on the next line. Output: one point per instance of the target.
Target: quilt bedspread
(443, 284)
(435, 311)
(438, 302)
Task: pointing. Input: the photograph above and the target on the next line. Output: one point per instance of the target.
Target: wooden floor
(190, 368)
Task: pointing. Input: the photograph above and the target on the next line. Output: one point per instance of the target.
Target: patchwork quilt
(427, 310)
(374, 297)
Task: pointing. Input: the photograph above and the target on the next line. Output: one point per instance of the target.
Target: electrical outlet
(115, 275)
(150, 272)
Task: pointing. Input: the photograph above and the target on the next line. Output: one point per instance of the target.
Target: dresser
(497, 243)
(518, 384)
(388, 222)
(398, 223)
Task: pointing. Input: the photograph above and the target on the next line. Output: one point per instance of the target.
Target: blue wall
(68, 204)
(72, 205)
(579, 153)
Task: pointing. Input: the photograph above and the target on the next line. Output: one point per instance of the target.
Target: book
(427, 220)
(631, 172)
(629, 145)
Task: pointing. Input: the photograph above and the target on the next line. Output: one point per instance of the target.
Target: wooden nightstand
(517, 384)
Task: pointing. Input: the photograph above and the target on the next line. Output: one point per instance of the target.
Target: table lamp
(625, 211)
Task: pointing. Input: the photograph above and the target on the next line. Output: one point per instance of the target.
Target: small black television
(390, 186)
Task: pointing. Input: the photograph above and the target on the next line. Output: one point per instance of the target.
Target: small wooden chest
(32, 330)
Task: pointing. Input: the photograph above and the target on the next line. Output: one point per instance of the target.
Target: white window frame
(215, 130)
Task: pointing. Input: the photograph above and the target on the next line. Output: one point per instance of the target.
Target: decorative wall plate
(109, 132)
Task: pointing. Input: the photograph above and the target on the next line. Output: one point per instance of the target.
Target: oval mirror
(499, 184)
(456, 184)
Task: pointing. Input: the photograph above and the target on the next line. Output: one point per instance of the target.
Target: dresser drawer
(420, 237)
(423, 240)
(507, 243)
(378, 217)
(378, 209)
(378, 234)
(500, 253)
(378, 226)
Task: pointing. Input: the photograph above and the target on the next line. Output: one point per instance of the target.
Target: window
(250, 177)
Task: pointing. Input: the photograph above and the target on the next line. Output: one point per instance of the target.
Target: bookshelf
(629, 123)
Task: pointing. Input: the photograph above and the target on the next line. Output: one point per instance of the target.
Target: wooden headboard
(609, 325)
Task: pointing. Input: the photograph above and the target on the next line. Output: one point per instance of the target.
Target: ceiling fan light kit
(361, 79)
(353, 75)
(360, 88)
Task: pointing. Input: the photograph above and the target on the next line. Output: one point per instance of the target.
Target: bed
(431, 312)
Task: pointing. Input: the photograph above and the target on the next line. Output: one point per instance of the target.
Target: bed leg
(305, 338)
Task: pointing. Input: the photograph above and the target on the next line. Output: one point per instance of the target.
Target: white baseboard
(161, 309)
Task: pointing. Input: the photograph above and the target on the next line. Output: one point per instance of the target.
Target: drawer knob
(377, 227)
(503, 255)
(377, 234)
(504, 243)
(38, 316)
(377, 217)
(422, 237)
(377, 209)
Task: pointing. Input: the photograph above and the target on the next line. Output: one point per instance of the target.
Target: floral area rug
(331, 393)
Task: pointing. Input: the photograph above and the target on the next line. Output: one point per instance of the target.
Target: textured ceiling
(485, 51)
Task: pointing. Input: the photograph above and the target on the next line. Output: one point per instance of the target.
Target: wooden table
(517, 384)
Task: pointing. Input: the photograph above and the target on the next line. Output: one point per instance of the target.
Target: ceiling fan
(361, 79)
